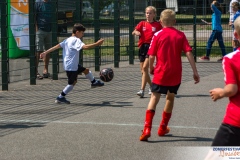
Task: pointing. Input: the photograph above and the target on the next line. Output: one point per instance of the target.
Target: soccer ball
(106, 74)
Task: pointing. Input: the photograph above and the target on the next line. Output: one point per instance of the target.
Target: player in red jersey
(229, 132)
(166, 47)
(145, 30)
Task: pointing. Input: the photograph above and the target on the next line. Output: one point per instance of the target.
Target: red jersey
(231, 68)
(167, 45)
(147, 31)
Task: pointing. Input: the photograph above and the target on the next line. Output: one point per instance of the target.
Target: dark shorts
(81, 68)
(43, 40)
(143, 50)
(227, 135)
(164, 89)
(73, 75)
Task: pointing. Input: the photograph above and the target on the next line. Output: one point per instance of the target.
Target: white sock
(67, 89)
(90, 76)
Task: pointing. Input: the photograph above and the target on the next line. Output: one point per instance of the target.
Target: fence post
(131, 50)
(4, 43)
(194, 31)
(116, 33)
(55, 54)
(32, 33)
(96, 34)
(78, 19)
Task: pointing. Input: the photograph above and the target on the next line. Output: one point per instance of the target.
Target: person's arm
(151, 64)
(193, 65)
(228, 91)
(209, 23)
(231, 80)
(89, 46)
(42, 55)
(136, 32)
(216, 10)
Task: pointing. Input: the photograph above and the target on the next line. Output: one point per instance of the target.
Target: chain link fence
(112, 20)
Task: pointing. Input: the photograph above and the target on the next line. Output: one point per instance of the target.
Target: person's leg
(72, 80)
(166, 114)
(88, 74)
(145, 75)
(37, 54)
(39, 50)
(167, 111)
(48, 45)
(210, 42)
(221, 43)
(143, 67)
(141, 91)
(149, 116)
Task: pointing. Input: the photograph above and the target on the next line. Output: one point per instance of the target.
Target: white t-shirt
(71, 47)
(231, 11)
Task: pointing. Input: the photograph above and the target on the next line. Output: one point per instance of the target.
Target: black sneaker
(97, 83)
(46, 75)
(62, 100)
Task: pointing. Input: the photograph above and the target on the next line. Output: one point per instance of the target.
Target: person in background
(145, 30)
(236, 10)
(216, 32)
(43, 22)
(231, 11)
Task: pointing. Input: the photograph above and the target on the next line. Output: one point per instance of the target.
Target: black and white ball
(106, 74)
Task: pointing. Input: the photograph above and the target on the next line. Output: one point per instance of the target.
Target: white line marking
(96, 123)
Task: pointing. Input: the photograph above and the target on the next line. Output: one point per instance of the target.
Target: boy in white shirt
(71, 47)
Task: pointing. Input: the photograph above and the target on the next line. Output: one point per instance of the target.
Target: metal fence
(112, 20)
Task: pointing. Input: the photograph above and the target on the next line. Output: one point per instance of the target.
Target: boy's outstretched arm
(193, 65)
(42, 55)
(228, 91)
(89, 46)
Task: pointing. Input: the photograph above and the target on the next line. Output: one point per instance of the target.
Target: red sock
(165, 119)
(148, 118)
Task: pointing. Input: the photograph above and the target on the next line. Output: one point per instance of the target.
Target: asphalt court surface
(106, 122)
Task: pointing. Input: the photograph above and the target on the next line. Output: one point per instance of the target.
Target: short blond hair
(168, 17)
(237, 25)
